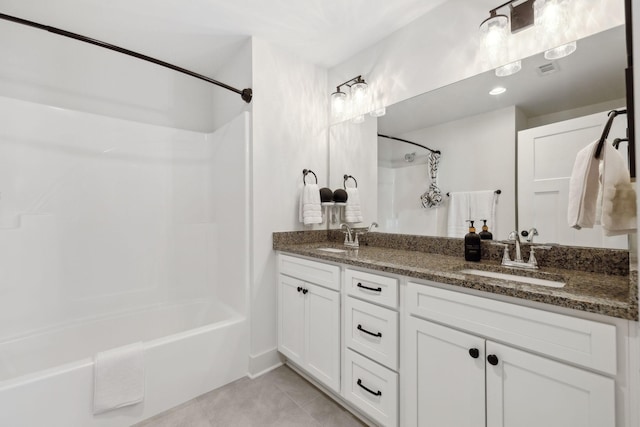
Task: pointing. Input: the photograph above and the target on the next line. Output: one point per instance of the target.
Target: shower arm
(246, 94)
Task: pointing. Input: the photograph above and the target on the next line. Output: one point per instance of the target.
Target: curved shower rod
(246, 94)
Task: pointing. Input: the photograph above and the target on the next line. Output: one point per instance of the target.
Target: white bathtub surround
(118, 232)
(118, 378)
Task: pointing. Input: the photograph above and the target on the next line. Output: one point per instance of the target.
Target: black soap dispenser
(472, 245)
(485, 234)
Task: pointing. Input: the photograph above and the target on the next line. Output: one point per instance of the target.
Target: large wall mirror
(480, 137)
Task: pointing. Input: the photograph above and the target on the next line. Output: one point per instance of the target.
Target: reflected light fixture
(356, 103)
(497, 90)
(554, 31)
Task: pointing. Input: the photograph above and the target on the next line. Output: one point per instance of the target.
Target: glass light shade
(509, 69)
(494, 32)
(561, 51)
(338, 104)
(555, 28)
(378, 112)
(359, 92)
(358, 119)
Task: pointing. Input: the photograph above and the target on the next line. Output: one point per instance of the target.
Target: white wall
(289, 135)
(478, 153)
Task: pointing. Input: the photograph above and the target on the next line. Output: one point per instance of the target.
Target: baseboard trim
(264, 362)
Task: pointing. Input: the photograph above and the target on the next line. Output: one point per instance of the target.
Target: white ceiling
(197, 33)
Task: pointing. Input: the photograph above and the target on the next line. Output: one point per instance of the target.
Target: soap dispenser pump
(472, 245)
(485, 234)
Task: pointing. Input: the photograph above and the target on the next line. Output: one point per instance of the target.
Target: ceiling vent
(546, 69)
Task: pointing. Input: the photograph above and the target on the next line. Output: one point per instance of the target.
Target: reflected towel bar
(246, 94)
(497, 192)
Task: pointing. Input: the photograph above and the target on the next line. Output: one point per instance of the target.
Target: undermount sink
(515, 278)
(332, 250)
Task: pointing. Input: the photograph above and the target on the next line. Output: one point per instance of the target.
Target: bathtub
(46, 377)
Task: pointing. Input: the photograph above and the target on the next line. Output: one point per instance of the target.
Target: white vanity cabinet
(309, 317)
(469, 379)
(371, 342)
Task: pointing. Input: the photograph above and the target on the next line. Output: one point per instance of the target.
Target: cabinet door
(445, 377)
(526, 390)
(322, 334)
(291, 318)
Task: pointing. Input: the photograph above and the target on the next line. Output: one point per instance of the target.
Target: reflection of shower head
(409, 157)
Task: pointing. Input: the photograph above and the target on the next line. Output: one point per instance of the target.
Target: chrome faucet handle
(530, 233)
(347, 234)
(373, 225)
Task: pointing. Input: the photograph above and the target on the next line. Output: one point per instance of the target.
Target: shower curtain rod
(410, 142)
(246, 94)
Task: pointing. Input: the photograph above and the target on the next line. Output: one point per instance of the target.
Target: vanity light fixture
(553, 26)
(356, 103)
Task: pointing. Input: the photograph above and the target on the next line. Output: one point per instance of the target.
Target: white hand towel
(482, 205)
(583, 188)
(353, 211)
(618, 195)
(457, 225)
(310, 211)
(118, 378)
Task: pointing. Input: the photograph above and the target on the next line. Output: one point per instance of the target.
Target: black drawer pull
(375, 393)
(360, 285)
(360, 328)
(492, 359)
(304, 291)
(299, 288)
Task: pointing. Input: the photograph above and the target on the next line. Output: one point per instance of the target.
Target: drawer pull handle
(375, 393)
(360, 285)
(492, 359)
(474, 352)
(360, 328)
(299, 288)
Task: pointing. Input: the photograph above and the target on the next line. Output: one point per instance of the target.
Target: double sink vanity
(404, 332)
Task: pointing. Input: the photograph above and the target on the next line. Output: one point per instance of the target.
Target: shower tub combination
(110, 234)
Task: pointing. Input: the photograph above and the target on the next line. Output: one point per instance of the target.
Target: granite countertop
(603, 293)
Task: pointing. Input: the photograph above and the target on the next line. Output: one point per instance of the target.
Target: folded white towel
(310, 210)
(583, 188)
(618, 195)
(118, 378)
(353, 211)
(482, 205)
(459, 213)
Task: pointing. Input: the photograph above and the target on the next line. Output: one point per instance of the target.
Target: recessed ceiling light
(497, 90)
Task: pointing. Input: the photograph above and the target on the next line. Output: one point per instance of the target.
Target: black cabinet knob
(304, 291)
(492, 359)
(299, 288)
(474, 352)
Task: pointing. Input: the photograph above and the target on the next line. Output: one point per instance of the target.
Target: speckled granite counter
(603, 293)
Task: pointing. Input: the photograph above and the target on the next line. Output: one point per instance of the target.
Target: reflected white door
(545, 160)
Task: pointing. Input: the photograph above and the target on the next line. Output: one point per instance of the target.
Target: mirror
(477, 134)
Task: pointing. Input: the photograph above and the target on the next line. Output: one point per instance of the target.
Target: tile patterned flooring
(279, 398)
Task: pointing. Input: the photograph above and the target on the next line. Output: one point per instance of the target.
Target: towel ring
(305, 172)
(346, 177)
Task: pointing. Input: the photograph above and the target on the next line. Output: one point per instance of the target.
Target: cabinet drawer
(372, 331)
(311, 271)
(372, 388)
(579, 341)
(372, 287)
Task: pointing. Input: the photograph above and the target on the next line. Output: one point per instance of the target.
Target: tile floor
(279, 398)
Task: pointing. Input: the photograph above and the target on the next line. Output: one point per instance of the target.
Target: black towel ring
(305, 172)
(346, 177)
(605, 132)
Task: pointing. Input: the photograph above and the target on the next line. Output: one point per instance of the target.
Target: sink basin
(515, 278)
(332, 250)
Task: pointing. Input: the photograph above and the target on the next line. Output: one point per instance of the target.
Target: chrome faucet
(373, 225)
(348, 238)
(529, 234)
(516, 238)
